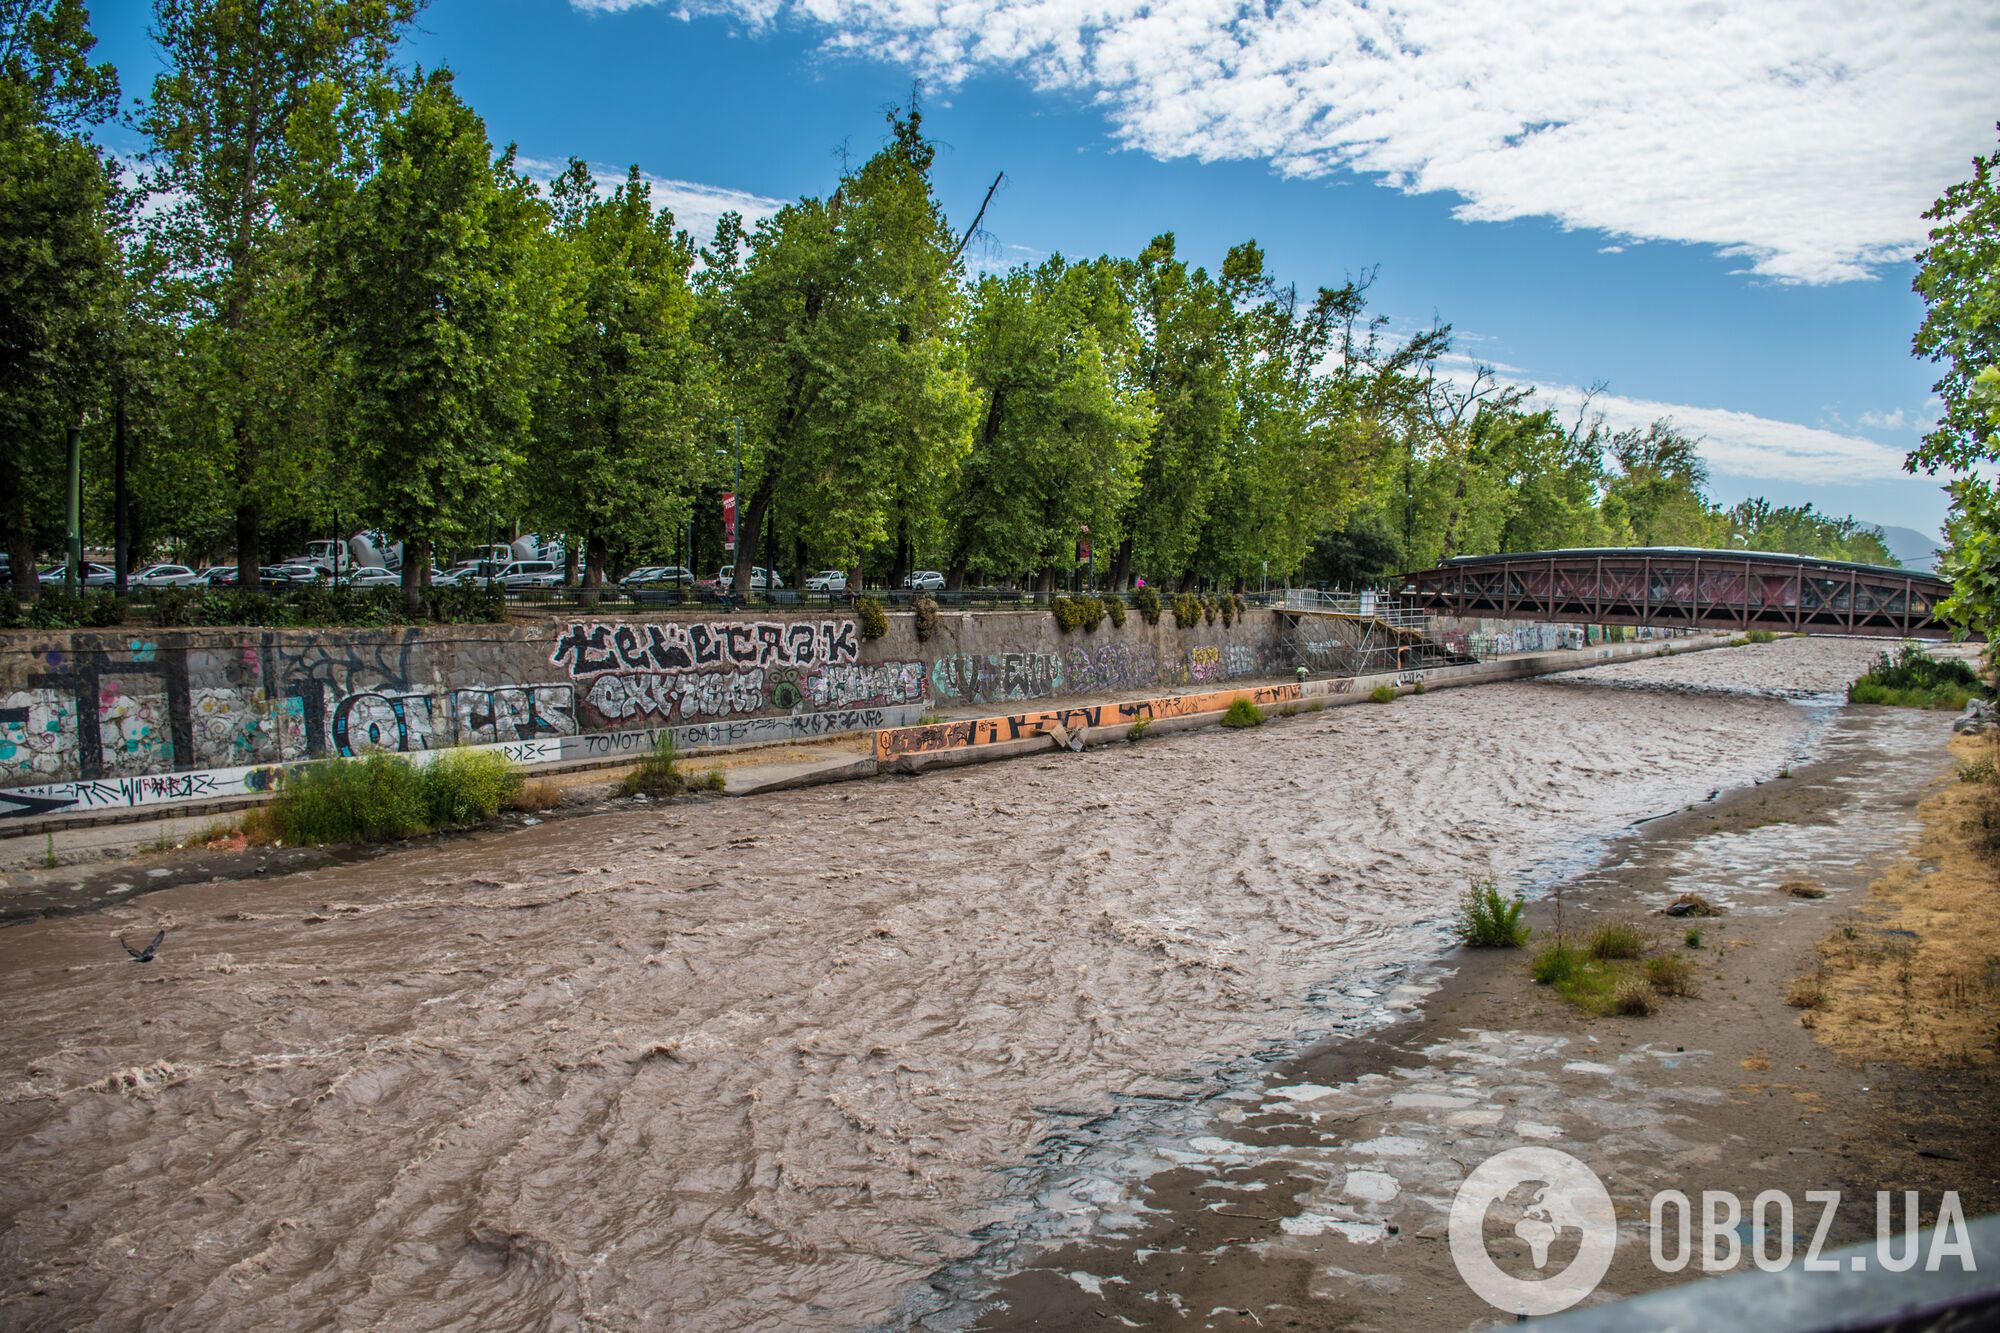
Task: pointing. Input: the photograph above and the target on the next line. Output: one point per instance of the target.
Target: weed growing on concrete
(1692, 938)
(712, 781)
(1139, 728)
(1383, 694)
(1486, 920)
(1762, 636)
(539, 794)
(1417, 688)
(49, 853)
(1243, 713)
(460, 788)
(929, 719)
(377, 799)
(659, 774)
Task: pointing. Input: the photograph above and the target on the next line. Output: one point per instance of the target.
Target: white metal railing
(1390, 610)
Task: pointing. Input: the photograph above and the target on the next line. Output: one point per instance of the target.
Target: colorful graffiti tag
(894, 742)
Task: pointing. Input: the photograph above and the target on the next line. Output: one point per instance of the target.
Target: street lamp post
(73, 580)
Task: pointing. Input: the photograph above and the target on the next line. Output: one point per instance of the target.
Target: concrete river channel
(824, 1058)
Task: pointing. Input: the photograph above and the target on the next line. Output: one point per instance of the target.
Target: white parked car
(828, 580)
(164, 576)
(530, 574)
(374, 576)
(761, 579)
(924, 580)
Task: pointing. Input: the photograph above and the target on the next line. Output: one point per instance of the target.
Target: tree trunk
(593, 569)
(569, 561)
(749, 533)
(20, 538)
(1121, 567)
(954, 577)
(1045, 582)
(121, 526)
(416, 574)
(247, 554)
(904, 561)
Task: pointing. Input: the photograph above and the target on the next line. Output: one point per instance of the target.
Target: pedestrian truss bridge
(1684, 588)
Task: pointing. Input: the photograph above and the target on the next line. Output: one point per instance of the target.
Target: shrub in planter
(1114, 607)
(1090, 613)
(874, 620)
(1187, 609)
(925, 611)
(1148, 602)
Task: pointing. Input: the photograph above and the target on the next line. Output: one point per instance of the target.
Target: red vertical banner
(729, 520)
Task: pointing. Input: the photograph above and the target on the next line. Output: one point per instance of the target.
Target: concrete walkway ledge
(918, 749)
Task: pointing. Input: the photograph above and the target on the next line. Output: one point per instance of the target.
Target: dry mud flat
(826, 1058)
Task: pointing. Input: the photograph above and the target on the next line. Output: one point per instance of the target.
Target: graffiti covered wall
(92, 719)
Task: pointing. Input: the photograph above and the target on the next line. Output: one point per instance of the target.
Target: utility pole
(121, 517)
(73, 580)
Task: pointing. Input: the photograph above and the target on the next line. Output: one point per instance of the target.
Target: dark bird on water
(151, 949)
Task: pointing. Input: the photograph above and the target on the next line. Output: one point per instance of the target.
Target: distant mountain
(1915, 550)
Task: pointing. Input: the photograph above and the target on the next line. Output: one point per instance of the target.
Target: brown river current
(816, 1059)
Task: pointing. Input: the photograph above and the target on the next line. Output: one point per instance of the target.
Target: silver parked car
(530, 574)
(165, 576)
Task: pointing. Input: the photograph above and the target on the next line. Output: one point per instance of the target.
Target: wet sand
(1317, 1198)
(825, 1058)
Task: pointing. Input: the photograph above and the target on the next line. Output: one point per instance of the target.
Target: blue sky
(1706, 208)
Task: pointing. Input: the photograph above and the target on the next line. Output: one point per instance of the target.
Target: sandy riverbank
(822, 1058)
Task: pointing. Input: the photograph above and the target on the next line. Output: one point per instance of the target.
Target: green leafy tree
(1759, 525)
(425, 304)
(241, 77)
(1660, 485)
(58, 262)
(622, 422)
(1185, 364)
(1063, 428)
(1958, 275)
(835, 325)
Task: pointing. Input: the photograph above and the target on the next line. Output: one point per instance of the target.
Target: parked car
(165, 576)
(94, 576)
(659, 576)
(924, 580)
(219, 576)
(761, 579)
(290, 572)
(374, 576)
(828, 580)
(530, 574)
(470, 572)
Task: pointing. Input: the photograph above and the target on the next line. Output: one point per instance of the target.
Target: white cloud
(696, 207)
(1804, 136)
(1743, 444)
(1896, 420)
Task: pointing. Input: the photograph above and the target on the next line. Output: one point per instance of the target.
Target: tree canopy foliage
(327, 301)
(1958, 275)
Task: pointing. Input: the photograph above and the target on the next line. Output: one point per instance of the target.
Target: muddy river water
(801, 1061)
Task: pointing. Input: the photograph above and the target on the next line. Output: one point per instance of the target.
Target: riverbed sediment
(806, 1060)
